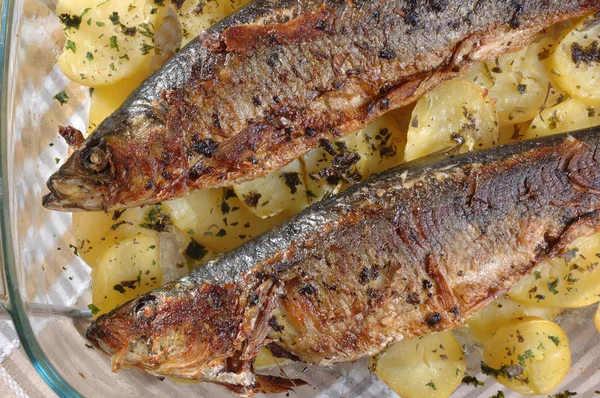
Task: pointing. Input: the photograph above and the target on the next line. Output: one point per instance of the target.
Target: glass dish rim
(15, 305)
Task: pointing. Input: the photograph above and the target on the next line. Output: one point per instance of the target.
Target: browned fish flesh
(267, 84)
(414, 250)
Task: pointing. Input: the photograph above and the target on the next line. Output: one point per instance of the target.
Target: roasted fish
(265, 85)
(414, 250)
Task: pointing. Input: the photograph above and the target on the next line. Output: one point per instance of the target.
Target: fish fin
(261, 326)
(73, 137)
(276, 385)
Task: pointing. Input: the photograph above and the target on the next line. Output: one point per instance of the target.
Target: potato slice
(570, 281)
(127, 269)
(196, 16)
(455, 112)
(575, 64)
(108, 41)
(216, 219)
(520, 82)
(431, 366)
(280, 190)
(482, 326)
(567, 116)
(97, 231)
(530, 356)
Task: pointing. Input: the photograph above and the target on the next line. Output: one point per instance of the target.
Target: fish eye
(144, 309)
(95, 159)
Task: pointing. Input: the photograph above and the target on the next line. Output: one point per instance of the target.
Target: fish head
(183, 329)
(83, 182)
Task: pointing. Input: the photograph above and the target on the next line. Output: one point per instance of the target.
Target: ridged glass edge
(15, 306)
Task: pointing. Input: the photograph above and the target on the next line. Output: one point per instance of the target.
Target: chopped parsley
(71, 46)
(93, 308)
(431, 385)
(221, 233)
(471, 380)
(113, 42)
(528, 354)
(146, 30)
(146, 48)
(89, 346)
(537, 275)
(555, 340)
(114, 18)
(552, 283)
(156, 219)
(195, 251)
(89, 56)
(57, 160)
(564, 394)
(70, 21)
(499, 394)
(510, 372)
(119, 288)
(292, 180)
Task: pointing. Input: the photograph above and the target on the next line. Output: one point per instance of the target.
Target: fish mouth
(73, 193)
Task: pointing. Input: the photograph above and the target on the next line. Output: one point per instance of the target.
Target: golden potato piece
(531, 356)
(427, 367)
(569, 115)
(455, 112)
(570, 281)
(482, 326)
(127, 269)
(108, 41)
(280, 190)
(575, 65)
(217, 219)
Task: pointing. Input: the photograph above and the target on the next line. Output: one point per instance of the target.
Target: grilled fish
(267, 84)
(414, 250)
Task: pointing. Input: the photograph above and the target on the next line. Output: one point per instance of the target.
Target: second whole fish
(414, 250)
(267, 84)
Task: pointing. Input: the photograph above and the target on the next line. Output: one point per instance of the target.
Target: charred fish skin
(265, 85)
(414, 250)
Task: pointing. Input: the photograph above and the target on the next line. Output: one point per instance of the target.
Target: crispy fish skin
(265, 85)
(414, 250)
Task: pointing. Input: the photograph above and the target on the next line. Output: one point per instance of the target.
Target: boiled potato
(329, 170)
(108, 41)
(569, 281)
(127, 269)
(455, 112)
(569, 115)
(97, 231)
(575, 63)
(196, 16)
(279, 190)
(431, 366)
(376, 147)
(519, 82)
(216, 219)
(531, 356)
(483, 325)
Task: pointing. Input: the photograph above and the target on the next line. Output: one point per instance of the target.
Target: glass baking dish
(46, 286)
